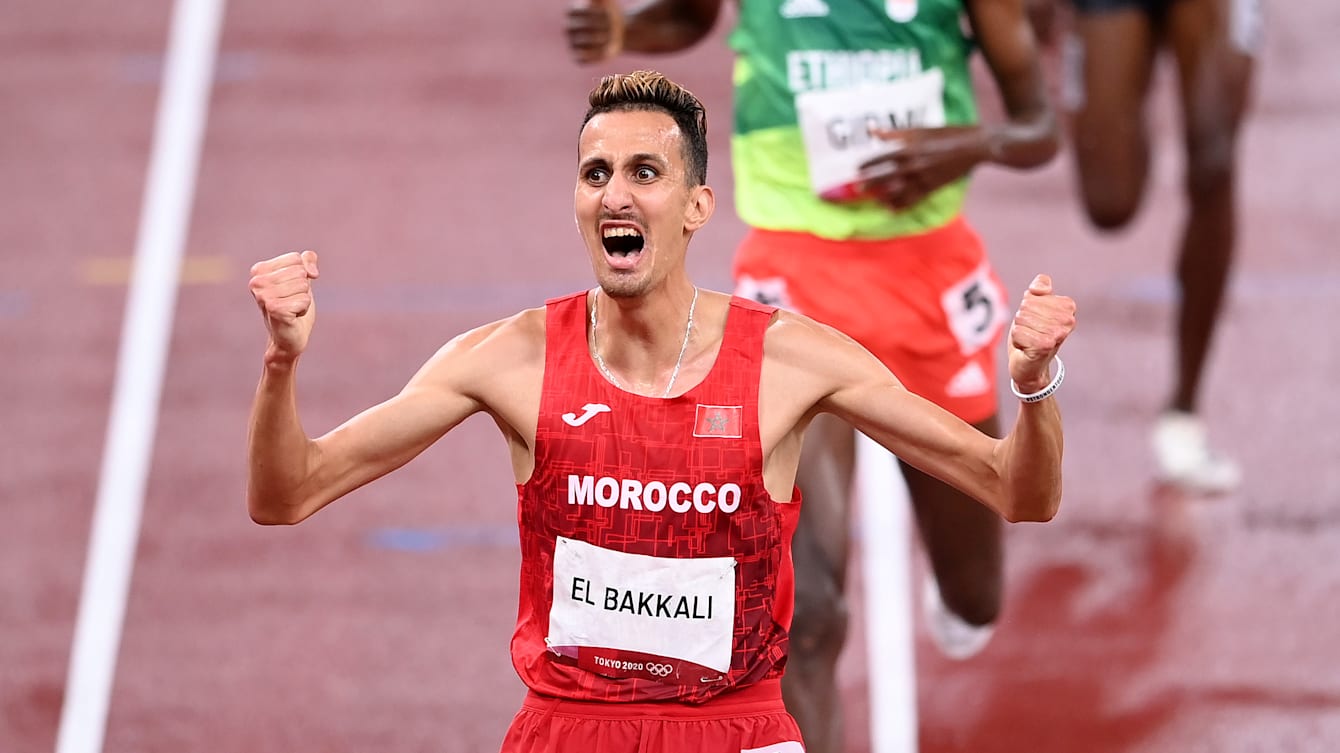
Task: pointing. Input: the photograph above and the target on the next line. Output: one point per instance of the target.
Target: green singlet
(789, 47)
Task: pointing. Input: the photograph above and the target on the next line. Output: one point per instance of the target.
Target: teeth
(620, 232)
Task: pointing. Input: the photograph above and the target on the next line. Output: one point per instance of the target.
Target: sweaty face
(633, 203)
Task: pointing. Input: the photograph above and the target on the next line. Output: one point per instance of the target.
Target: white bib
(663, 606)
(837, 124)
(975, 308)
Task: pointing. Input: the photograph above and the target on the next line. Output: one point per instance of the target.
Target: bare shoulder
(479, 358)
(795, 341)
(814, 360)
(519, 333)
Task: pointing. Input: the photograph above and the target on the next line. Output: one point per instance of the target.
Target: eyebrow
(639, 158)
(591, 162)
(649, 157)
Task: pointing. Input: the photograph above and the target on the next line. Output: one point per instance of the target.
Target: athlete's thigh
(1117, 42)
(1109, 68)
(1215, 43)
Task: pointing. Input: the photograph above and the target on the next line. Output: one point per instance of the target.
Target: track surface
(430, 162)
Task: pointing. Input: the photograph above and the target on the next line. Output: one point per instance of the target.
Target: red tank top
(654, 564)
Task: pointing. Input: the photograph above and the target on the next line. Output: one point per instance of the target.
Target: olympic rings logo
(660, 670)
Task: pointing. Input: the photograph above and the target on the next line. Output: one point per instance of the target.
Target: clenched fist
(595, 30)
(282, 287)
(1044, 321)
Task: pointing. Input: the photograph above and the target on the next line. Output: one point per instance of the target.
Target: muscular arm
(1005, 35)
(600, 29)
(291, 476)
(1019, 476)
(662, 26)
(920, 161)
(813, 369)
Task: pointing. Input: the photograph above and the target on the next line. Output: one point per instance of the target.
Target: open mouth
(622, 241)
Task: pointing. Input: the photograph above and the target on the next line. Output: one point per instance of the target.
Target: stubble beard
(624, 286)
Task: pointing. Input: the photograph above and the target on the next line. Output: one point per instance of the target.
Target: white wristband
(1045, 392)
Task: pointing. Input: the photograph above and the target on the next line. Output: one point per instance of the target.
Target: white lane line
(886, 560)
(164, 218)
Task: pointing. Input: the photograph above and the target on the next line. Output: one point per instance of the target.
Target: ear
(702, 203)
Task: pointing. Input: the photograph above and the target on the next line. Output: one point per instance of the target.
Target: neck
(637, 349)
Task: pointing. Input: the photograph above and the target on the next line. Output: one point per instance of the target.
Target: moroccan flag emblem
(719, 421)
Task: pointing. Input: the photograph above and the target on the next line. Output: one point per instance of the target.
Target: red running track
(431, 163)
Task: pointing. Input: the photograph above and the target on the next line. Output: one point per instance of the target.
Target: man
(654, 430)
(883, 254)
(1111, 57)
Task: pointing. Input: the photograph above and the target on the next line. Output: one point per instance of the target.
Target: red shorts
(750, 720)
(929, 306)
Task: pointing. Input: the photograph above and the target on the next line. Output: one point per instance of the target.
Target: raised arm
(1019, 476)
(290, 475)
(1029, 458)
(597, 30)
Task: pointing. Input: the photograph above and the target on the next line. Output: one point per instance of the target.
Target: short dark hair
(652, 91)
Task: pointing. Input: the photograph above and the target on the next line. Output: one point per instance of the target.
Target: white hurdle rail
(886, 572)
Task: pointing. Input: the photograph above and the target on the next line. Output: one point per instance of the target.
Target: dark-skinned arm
(598, 30)
(1004, 33)
(920, 161)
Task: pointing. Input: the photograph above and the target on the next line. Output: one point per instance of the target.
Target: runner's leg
(819, 550)
(1214, 78)
(964, 542)
(1107, 124)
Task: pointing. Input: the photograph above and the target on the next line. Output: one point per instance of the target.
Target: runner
(867, 234)
(654, 430)
(1111, 55)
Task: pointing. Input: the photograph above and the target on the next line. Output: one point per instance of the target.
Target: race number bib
(769, 291)
(837, 125)
(635, 615)
(975, 308)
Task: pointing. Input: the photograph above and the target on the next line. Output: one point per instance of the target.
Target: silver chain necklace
(688, 329)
